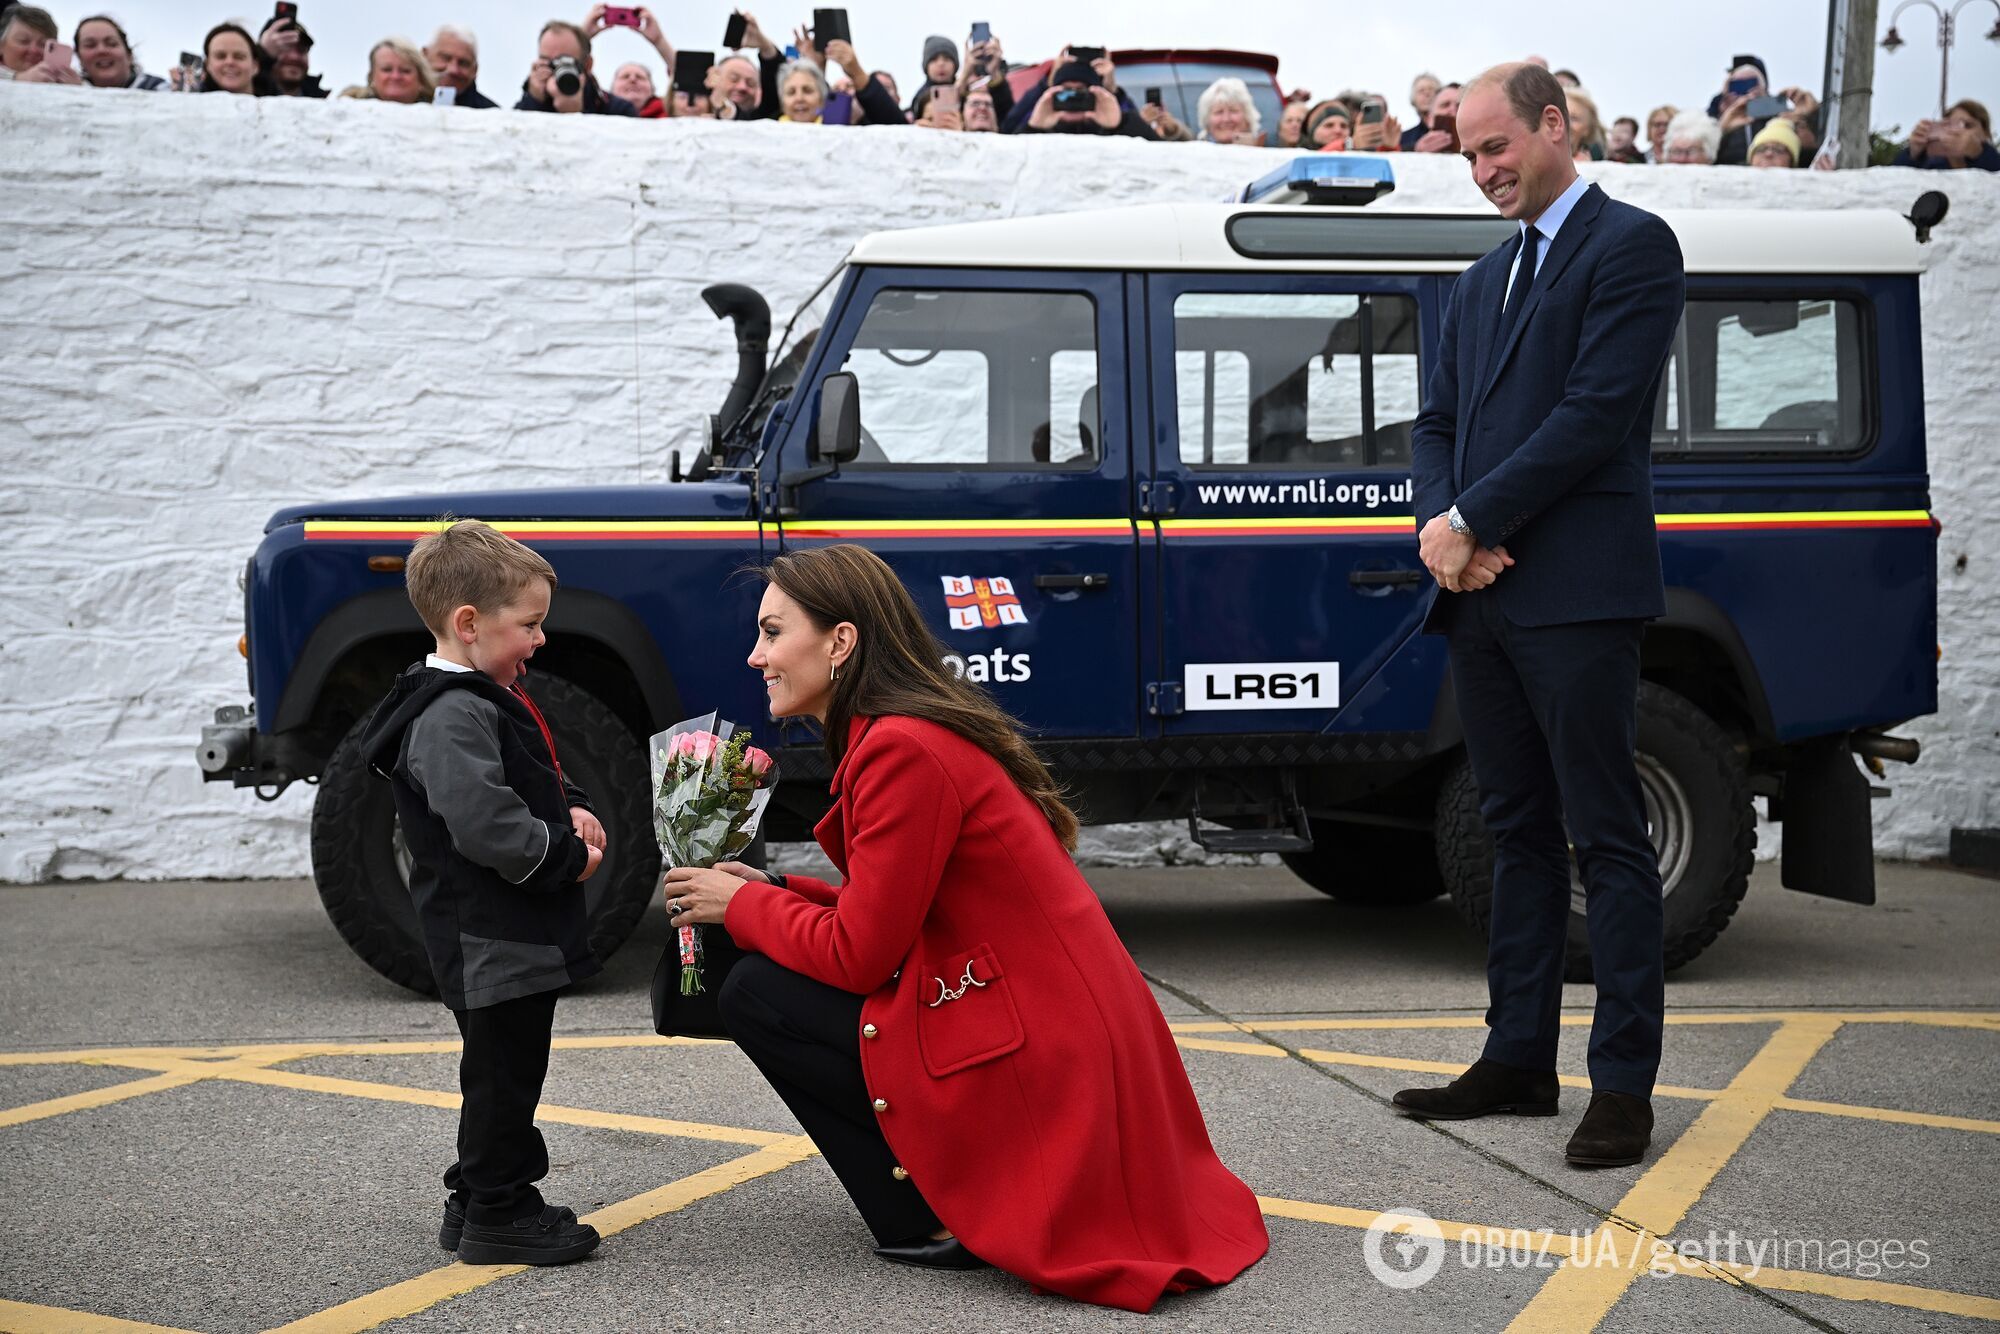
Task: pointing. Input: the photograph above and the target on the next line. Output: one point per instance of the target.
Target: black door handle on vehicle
(1072, 581)
(1385, 578)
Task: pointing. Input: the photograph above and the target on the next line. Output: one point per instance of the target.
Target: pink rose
(698, 746)
(756, 761)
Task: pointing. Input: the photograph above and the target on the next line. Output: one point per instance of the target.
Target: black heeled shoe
(932, 1253)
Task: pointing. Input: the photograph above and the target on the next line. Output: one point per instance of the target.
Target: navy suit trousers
(1551, 720)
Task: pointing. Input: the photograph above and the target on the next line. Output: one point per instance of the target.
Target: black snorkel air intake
(752, 315)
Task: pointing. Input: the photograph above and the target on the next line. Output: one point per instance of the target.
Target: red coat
(1044, 1112)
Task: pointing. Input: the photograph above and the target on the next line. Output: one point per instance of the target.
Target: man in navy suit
(1532, 478)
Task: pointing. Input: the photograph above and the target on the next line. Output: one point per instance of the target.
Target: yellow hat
(1777, 130)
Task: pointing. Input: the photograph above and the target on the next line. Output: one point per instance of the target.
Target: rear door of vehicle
(1279, 479)
(995, 478)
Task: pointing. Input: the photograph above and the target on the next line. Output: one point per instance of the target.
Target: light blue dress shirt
(1548, 225)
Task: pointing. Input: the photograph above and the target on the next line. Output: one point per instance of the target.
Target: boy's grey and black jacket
(485, 812)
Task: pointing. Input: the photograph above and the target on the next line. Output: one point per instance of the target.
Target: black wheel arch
(348, 661)
(1695, 650)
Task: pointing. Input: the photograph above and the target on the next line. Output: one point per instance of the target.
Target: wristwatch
(1457, 522)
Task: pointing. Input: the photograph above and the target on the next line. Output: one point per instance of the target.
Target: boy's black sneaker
(453, 1225)
(552, 1237)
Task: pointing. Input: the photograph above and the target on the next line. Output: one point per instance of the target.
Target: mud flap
(1829, 840)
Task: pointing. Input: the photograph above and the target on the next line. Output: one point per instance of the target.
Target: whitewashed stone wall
(213, 306)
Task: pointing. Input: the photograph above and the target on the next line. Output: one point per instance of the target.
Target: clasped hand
(1456, 560)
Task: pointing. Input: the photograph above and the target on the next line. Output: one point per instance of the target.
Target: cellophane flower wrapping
(710, 788)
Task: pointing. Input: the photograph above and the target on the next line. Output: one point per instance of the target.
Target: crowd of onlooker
(817, 78)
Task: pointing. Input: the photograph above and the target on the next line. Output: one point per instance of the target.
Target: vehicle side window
(1762, 377)
(1306, 380)
(970, 379)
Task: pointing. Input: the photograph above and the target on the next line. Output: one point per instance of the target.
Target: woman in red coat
(957, 1025)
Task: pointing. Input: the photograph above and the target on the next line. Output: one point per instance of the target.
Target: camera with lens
(567, 75)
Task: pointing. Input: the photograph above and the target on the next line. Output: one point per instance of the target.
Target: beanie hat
(1777, 130)
(1075, 71)
(939, 46)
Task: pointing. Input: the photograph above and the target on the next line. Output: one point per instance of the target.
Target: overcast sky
(1631, 56)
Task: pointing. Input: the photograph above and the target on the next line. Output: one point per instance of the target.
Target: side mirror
(1929, 211)
(837, 436)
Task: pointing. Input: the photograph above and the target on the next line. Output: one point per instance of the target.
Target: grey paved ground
(303, 1180)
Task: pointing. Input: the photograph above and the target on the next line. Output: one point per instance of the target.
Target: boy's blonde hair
(468, 562)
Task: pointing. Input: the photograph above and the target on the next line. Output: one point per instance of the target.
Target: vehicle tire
(361, 866)
(1375, 866)
(1698, 812)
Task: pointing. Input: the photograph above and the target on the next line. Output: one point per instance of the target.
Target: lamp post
(1947, 33)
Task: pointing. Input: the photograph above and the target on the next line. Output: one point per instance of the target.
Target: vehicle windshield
(1182, 83)
(811, 313)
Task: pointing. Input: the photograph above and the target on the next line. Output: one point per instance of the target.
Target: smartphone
(830, 25)
(1074, 99)
(982, 32)
(1449, 125)
(691, 71)
(1763, 108)
(445, 96)
(1154, 97)
(1087, 54)
(59, 56)
(620, 16)
(1740, 87)
(1373, 110)
(287, 10)
(944, 97)
(733, 31)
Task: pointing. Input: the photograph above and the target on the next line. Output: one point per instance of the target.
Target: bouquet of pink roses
(710, 787)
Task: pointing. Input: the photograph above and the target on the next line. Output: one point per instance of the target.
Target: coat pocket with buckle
(966, 1014)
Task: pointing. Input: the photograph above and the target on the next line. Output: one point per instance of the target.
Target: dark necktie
(1524, 279)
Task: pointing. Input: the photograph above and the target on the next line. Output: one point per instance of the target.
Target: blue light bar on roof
(1323, 178)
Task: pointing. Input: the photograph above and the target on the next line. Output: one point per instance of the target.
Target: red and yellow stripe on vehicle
(542, 530)
(875, 530)
(1374, 525)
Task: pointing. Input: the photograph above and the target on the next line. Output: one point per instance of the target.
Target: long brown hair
(897, 667)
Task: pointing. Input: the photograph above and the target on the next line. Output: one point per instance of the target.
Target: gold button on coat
(899, 1174)
(868, 1030)
(881, 1104)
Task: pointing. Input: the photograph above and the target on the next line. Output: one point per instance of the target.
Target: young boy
(498, 840)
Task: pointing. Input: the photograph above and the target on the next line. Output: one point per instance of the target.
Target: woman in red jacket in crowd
(956, 1024)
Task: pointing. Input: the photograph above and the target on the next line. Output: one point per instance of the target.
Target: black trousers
(500, 1152)
(1551, 719)
(805, 1038)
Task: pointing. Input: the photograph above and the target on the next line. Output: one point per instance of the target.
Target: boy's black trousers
(500, 1152)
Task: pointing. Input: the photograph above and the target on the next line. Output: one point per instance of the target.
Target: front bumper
(232, 750)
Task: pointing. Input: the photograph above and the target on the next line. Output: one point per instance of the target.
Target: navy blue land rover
(1148, 470)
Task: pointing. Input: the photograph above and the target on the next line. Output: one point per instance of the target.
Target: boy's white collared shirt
(444, 664)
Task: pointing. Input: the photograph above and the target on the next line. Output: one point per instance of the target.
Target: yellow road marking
(1538, 1242)
(1371, 1061)
(78, 1102)
(1933, 1018)
(272, 1052)
(1892, 1114)
(1237, 1048)
(454, 1280)
(571, 1116)
(27, 1318)
(1579, 1297)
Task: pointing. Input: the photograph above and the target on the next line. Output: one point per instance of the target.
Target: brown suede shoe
(1615, 1131)
(1488, 1087)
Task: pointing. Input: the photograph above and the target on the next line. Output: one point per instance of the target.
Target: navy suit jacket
(1545, 443)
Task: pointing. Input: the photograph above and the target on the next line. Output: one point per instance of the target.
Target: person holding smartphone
(287, 51)
(1964, 138)
(454, 56)
(31, 49)
(1081, 99)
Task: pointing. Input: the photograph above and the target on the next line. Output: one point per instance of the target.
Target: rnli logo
(981, 604)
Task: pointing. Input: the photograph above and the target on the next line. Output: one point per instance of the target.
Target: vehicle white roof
(1191, 236)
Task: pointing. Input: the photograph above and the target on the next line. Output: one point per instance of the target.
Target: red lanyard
(542, 723)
